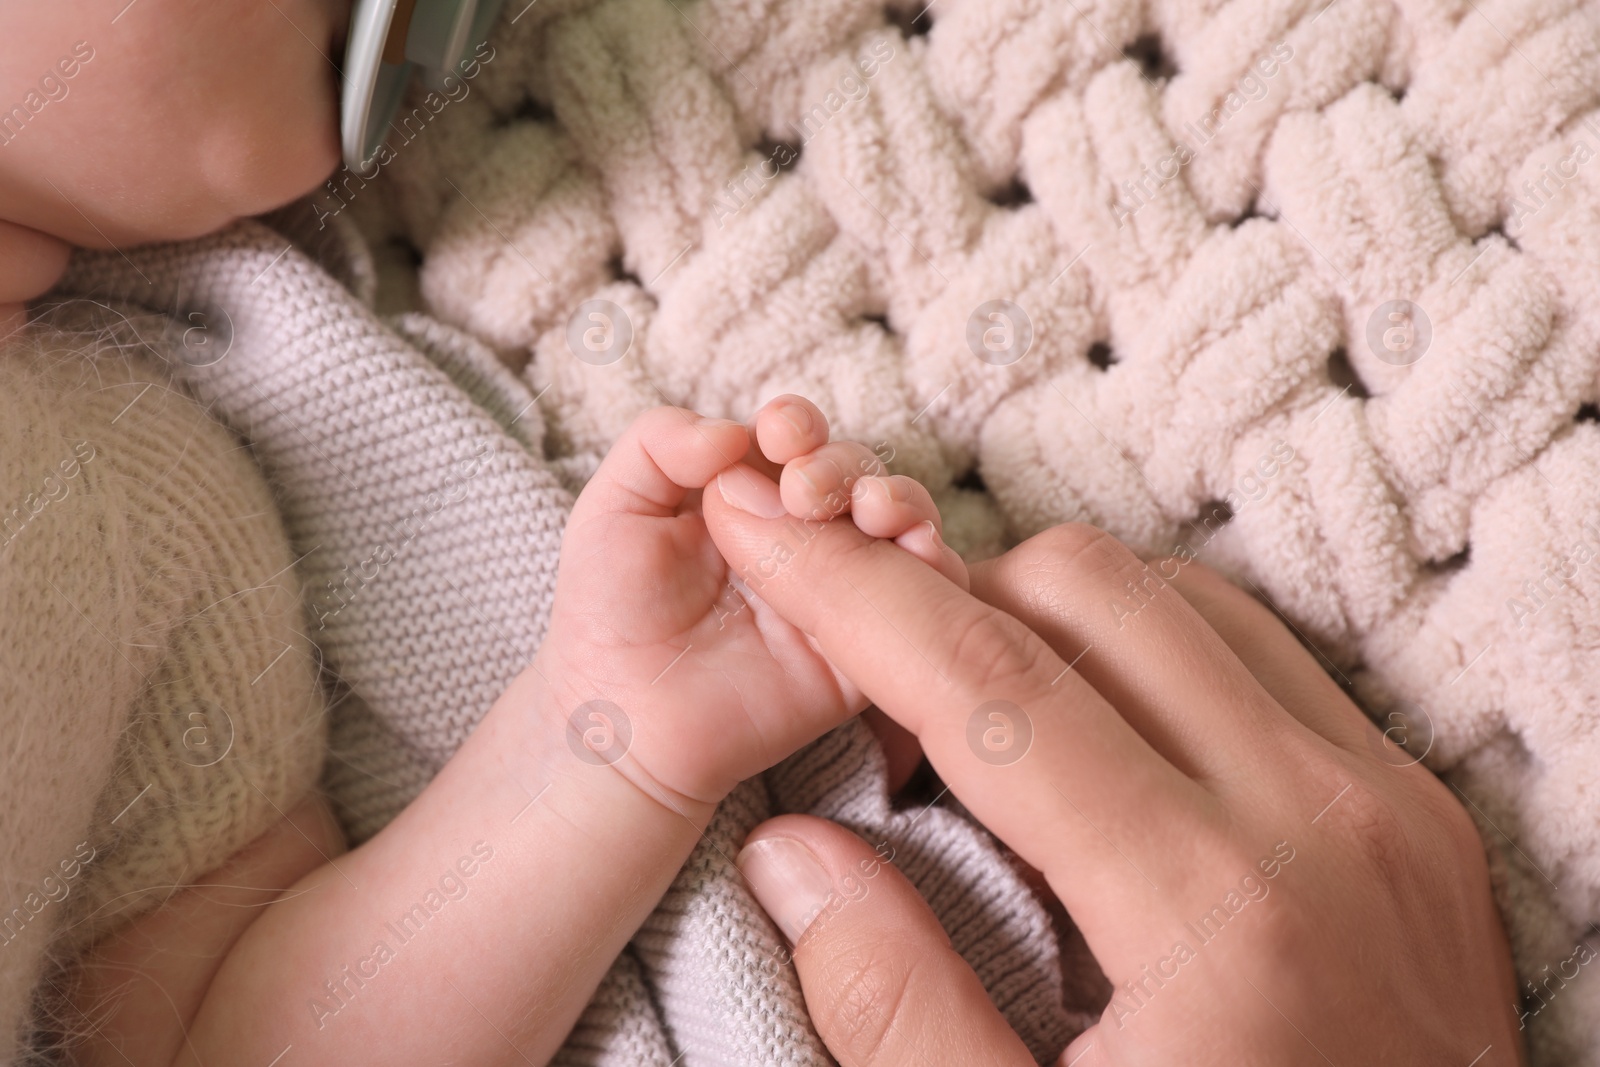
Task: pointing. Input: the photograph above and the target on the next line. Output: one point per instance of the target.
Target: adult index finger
(1029, 747)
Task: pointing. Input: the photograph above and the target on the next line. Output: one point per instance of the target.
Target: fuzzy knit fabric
(161, 698)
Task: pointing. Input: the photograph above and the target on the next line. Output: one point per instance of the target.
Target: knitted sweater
(160, 695)
(1328, 265)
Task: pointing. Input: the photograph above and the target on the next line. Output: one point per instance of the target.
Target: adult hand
(1261, 877)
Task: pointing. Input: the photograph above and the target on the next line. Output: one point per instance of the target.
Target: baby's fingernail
(896, 490)
(751, 492)
(798, 417)
(821, 474)
(788, 881)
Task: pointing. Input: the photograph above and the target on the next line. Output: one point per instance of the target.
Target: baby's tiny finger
(818, 486)
(788, 427)
(924, 542)
(663, 455)
(889, 505)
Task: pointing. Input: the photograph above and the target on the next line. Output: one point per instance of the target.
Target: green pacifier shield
(391, 39)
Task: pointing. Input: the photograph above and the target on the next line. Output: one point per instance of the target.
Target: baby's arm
(352, 966)
(137, 989)
(473, 929)
(477, 925)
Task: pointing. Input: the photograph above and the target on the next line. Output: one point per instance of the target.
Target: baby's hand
(822, 481)
(655, 666)
(818, 482)
(658, 657)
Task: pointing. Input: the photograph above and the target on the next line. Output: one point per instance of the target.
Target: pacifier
(390, 40)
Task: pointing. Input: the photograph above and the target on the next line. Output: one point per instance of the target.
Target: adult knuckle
(1062, 545)
(1377, 827)
(1370, 814)
(1227, 856)
(997, 653)
(1446, 819)
(1290, 932)
(1075, 555)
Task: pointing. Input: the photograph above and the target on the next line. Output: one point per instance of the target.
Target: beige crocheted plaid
(1124, 259)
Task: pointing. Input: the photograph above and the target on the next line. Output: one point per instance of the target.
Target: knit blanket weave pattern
(1309, 288)
(1331, 265)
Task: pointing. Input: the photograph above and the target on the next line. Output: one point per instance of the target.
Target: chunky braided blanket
(1333, 265)
(1307, 287)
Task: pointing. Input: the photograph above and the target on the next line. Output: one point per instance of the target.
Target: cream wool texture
(1425, 152)
(161, 697)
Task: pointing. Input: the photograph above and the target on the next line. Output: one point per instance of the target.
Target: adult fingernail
(788, 880)
(751, 492)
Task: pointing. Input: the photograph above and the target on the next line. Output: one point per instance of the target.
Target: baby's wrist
(586, 743)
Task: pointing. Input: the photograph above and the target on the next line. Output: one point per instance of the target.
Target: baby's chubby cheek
(188, 115)
(283, 145)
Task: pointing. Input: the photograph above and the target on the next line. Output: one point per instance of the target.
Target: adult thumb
(882, 983)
